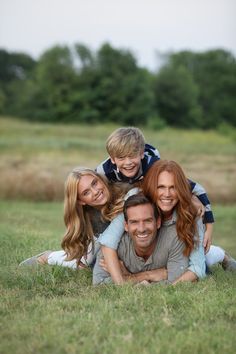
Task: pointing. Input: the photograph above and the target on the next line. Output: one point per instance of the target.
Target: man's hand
(207, 237)
(157, 274)
(150, 276)
(200, 208)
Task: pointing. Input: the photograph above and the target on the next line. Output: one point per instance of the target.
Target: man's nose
(141, 227)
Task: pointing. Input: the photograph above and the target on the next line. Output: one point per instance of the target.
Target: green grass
(54, 310)
(36, 158)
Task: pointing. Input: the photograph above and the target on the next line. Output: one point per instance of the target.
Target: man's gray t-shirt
(168, 254)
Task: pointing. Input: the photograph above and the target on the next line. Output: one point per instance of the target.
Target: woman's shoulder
(132, 191)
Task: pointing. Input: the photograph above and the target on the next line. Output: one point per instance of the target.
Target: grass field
(35, 158)
(54, 310)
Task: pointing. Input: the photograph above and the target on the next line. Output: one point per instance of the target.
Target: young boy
(129, 160)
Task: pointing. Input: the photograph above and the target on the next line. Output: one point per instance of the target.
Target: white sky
(143, 26)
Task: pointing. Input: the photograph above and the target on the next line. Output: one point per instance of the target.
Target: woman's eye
(95, 182)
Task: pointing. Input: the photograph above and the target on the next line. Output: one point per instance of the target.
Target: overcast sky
(143, 26)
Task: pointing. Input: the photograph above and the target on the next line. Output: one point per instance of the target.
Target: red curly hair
(186, 213)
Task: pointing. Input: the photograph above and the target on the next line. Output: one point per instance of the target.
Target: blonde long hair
(186, 213)
(79, 231)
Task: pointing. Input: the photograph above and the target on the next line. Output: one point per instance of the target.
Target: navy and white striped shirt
(151, 154)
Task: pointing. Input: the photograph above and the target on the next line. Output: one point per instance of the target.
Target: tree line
(76, 84)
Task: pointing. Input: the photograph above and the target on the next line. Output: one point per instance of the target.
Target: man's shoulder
(168, 234)
(124, 244)
(125, 240)
(168, 238)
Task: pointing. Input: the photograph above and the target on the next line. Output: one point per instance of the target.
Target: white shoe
(34, 260)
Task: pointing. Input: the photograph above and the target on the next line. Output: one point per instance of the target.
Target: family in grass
(136, 218)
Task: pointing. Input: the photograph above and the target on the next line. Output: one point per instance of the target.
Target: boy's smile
(129, 165)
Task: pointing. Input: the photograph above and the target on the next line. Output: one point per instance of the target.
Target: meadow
(53, 310)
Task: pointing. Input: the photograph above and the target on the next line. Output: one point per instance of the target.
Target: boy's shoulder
(108, 169)
(150, 151)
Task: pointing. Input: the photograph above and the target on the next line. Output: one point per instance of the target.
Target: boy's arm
(208, 237)
(200, 193)
(208, 217)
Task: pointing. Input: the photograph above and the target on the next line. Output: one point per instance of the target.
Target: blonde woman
(90, 205)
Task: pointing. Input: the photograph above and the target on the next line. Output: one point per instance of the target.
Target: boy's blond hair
(125, 141)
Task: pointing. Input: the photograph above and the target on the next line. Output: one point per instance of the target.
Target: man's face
(141, 226)
(129, 165)
(166, 194)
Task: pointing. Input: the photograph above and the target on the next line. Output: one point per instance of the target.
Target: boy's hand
(200, 208)
(208, 237)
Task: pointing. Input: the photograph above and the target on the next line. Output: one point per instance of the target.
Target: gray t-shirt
(168, 254)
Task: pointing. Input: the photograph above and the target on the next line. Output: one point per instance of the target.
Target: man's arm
(187, 276)
(154, 275)
(121, 274)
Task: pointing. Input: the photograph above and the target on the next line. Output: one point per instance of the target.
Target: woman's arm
(109, 241)
(113, 265)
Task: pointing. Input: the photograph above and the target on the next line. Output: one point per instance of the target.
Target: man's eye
(85, 193)
(149, 221)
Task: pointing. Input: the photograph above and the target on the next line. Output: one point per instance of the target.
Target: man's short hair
(125, 141)
(138, 199)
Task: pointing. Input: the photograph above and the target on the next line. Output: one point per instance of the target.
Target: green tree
(177, 97)
(47, 95)
(15, 69)
(214, 72)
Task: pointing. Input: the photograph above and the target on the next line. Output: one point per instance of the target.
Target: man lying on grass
(167, 187)
(146, 254)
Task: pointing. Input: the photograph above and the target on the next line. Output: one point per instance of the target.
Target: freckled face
(167, 197)
(92, 191)
(129, 165)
